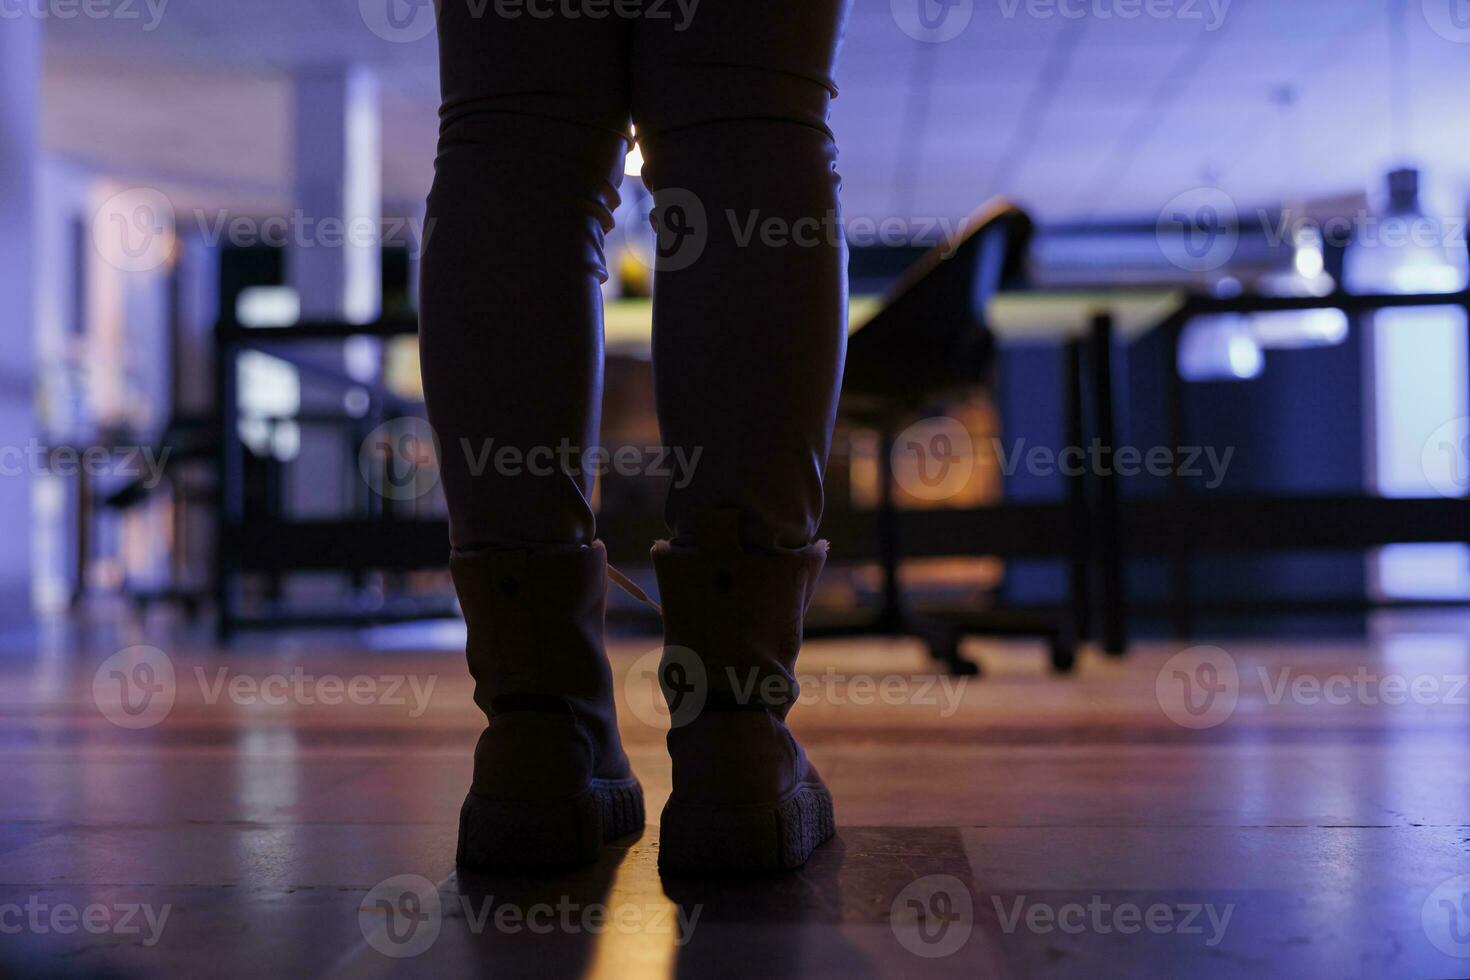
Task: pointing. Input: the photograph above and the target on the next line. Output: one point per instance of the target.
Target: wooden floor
(1293, 821)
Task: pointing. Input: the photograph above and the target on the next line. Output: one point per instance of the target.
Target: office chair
(928, 343)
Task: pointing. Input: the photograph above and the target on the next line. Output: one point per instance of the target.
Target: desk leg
(1080, 567)
(83, 554)
(230, 484)
(1109, 534)
(1181, 606)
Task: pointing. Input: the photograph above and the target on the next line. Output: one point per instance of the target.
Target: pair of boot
(551, 782)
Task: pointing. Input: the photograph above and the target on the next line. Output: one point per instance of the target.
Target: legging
(729, 99)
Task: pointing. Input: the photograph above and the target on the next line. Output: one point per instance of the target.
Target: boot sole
(497, 835)
(746, 839)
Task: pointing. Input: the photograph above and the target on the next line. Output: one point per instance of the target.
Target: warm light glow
(633, 163)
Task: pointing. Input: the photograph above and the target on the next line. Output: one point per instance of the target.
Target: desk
(1087, 323)
(1184, 525)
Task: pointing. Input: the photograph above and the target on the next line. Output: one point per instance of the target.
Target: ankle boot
(745, 798)
(551, 782)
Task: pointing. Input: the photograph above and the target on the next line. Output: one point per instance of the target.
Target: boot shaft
(535, 651)
(735, 618)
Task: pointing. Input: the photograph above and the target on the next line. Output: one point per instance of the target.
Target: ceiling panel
(1087, 117)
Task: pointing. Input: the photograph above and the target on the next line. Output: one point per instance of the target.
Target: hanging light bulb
(1295, 329)
(1307, 276)
(1418, 382)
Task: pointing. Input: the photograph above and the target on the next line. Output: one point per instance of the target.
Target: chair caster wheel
(946, 650)
(960, 667)
(1063, 656)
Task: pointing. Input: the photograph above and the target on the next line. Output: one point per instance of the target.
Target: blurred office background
(168, 167)
(1212, 250)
